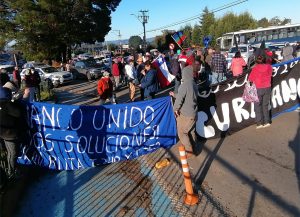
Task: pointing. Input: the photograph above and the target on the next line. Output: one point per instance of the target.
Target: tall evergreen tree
(48, 28)
(187, 31)
(207, 20)
(196, 36)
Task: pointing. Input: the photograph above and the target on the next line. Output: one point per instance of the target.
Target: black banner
(222, 109)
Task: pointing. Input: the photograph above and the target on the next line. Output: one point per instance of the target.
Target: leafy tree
(135, 41)
(48, 28)
(112, 47)
(263, 22)
(286, 21)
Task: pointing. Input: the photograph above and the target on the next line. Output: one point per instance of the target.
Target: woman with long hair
(237, 64)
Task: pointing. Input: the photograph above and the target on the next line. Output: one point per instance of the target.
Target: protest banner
(69, 137)
(222, 109)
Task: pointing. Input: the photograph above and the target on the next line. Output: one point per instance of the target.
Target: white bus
(276, 34)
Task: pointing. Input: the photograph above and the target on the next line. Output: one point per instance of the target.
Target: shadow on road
(295, 146)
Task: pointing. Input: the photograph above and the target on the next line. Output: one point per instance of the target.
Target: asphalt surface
(250, 173)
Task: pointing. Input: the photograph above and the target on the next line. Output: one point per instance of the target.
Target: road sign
(171, 46)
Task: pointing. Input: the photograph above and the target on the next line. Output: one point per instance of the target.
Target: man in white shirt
(131, 76)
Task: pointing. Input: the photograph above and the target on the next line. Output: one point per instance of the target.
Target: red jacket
(105, 88)
(115, 70)
(261, 75)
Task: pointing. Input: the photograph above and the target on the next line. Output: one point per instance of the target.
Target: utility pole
(119, 37)
(144, 19)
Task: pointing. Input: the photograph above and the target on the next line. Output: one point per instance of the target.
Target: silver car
(48, 72)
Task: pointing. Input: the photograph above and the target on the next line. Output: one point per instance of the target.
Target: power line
(198, 15)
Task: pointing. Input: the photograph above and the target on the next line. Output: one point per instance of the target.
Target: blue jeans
(217, 78)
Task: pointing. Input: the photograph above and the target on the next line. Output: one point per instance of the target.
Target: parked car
(246, 53)
(48, 72)
(9, 59)
(8, 69)
(85, 56)
(89, 69)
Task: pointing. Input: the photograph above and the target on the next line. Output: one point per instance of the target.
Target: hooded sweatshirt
(237, 66)
(186, 99)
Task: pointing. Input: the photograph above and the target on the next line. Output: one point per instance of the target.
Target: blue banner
(69, 137)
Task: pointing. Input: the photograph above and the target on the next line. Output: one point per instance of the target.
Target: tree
(196, 36)
(135, 41)
(207, 20)
(187, 31)
(48, 28)
(263, 22)
(286, 21)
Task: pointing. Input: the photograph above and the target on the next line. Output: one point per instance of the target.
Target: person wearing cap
(12, 127)
(105, 89)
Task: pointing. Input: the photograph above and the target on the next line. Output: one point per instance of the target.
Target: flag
(164, 76)
(179, 37)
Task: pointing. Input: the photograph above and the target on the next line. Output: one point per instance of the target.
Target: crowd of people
(190, 68)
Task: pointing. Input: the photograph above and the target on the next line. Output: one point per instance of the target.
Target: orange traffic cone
(190, 198)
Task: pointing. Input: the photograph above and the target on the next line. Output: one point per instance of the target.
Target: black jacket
(12, 121)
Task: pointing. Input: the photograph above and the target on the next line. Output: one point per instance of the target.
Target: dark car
(88, 69)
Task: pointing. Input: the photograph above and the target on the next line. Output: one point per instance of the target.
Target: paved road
(250, 173)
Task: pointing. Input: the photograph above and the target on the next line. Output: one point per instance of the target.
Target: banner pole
(190, 198)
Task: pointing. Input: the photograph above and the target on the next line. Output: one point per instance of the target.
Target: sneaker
(267, 125)
(259, 126)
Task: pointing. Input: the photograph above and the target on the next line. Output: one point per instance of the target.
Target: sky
(165, 12)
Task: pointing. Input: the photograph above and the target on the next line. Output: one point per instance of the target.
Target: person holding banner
(12, 129)
(149, 82)
(185, 109)
(261, 75)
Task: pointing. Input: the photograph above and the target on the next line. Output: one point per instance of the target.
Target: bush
(48, 95)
